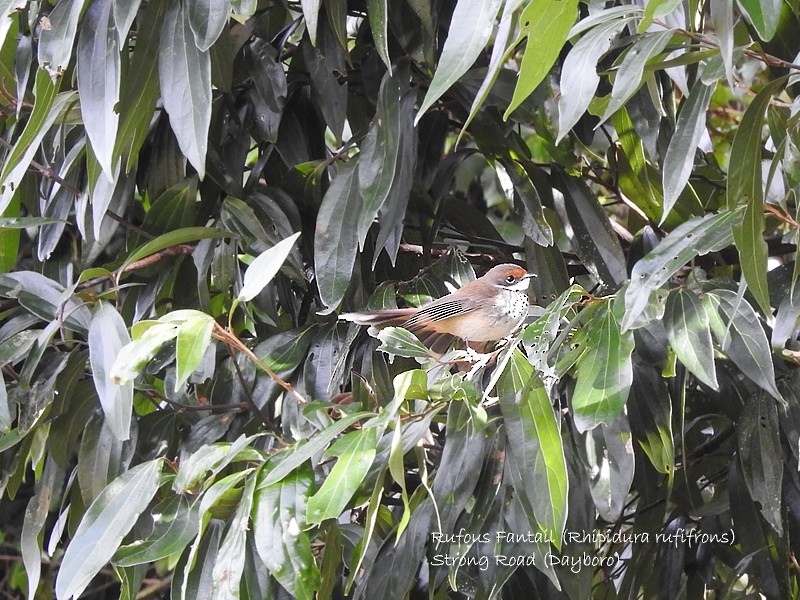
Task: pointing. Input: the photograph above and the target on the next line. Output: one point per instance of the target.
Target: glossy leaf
(762, 457)
(169, 239)
(107, 336)
(56, 44)
(401, 342)
(278, 524)
(355, 452)
(106, 522)
(534, 438)
(99, 80)
(311, 14)
(579, 76)
(470, 28)
(679, 159)
(229, 567)
(336, 239)
(378, 21)
(763, 15)
(745, 188)
(207, 19)
(604, 372)
(695, 237)
(689, 333)
(184, 71)
(264, 268)
(193, 339)
(308, 448)
(176, 524)
(742, 337)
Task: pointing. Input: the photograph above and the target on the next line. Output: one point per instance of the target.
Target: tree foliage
(193, 191)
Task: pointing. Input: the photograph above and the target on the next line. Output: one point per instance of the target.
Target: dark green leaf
(764, 15)
(336, 239)
(689, 335)
(282, 543)
(745, 188)
(377, 12)
(229, 566)
(695, 237)
(762, 457)
(604, 372)
(401, 342)
(176, 524)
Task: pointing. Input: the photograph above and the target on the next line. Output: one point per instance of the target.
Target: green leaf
(278, 526)
(579, 76)
(107, 336)
(176, 524)
(33, 524)
(693, 238)
(185, 75)
(743, 339)
(610, 466)
(401, 342)
(631, 70)
(380, 150)
(689, 333)
(194, 337)
(207, 19)
(604, 371)
(763, 15)
(169, 239)
(303, 450)
(109, 518)
(139, 87)
(527, 203)
(745, 187)
(546, 24)
(264, 268)
(46, 109)
(134, 356)
(470, 28)
(722, 18)
(229, 566)
(377, 14)
(99, 81)
(212, 458)
(356, 451)
(124, 15)
(336, 237)
(534, 445)
(679, 159)
(762, 457)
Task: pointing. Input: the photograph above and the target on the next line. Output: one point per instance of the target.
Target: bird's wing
(439, 310)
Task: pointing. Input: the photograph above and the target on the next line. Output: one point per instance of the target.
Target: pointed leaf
(185, 75)
(56, 43)
(194, 337)
(579, 76)
(745, 187)
(689, 334)
(377, 12)
(311, 14)
(547, 24)
(762, 457)
(278, 525)
(207, 19)
(470, 28)
(355, 451)
(107, 336)
(534, 443)
(743, 340)
(109, 518)
(336, 237)
(679, 159)
(695, 237)
(99, 80)
(228, 568)
(401, 342)
(264, 268)
(604, 372)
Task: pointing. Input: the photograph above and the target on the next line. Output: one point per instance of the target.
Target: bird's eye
(510, 279)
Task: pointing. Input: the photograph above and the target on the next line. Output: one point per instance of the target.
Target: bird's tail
(378, 319)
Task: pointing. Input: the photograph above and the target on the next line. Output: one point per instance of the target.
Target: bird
(487, 309)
